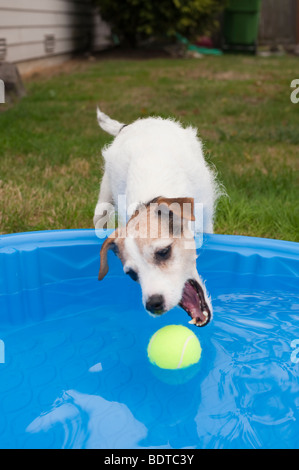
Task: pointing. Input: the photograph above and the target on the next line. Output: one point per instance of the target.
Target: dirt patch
(132, 54)
(72, 65)
(79, 63)
(76, 167)
(201, 71)
(270, 161)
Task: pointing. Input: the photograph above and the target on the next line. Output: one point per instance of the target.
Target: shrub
(132, 20)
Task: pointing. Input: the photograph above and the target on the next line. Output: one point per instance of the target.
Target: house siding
(71, 25)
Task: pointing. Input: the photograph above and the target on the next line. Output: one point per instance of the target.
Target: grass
(50, 144)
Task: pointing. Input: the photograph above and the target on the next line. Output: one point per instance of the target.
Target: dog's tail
(109, 125)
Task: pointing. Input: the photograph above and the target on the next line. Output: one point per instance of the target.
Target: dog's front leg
(104, 211)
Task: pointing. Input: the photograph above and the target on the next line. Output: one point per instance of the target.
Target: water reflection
(249, 396)
(91, 422)
(244, 393)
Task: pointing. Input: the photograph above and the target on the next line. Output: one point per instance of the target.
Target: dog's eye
(163, 254)
(133, 275)
(115, 249)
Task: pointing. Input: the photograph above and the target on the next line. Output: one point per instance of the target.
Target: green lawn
(50, 143)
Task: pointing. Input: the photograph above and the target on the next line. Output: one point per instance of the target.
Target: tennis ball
(174, 347)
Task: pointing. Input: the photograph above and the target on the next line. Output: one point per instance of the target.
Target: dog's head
(157, 249)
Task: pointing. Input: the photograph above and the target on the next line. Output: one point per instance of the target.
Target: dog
(158, 168)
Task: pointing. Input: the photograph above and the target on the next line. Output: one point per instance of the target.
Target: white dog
(158, 167)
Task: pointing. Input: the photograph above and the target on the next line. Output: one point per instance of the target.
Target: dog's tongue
(191, 303)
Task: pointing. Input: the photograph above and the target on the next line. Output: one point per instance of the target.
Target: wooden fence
(279, 22)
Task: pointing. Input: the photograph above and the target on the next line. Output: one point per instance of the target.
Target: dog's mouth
(194, 303)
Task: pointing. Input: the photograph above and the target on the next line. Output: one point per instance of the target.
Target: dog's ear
(178, 211)
(109, 244)
(182, 207)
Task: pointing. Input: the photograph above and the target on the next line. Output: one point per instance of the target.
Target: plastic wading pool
(74, 372)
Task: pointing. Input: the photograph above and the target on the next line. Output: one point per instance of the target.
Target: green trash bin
(240, 25)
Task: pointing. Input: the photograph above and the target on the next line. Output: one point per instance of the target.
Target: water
(77, 375)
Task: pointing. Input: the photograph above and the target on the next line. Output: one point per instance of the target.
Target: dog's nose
(155, 304)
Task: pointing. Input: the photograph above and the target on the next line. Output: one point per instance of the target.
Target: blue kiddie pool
(74, 371)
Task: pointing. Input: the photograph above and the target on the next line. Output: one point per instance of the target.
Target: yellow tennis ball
(174, 347)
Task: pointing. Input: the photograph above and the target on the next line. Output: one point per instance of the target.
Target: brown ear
(182, 207)
(108, 244)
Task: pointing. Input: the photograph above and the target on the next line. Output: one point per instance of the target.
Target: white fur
(149, 158)
(155, 157)
(107, 124)
(169, 281)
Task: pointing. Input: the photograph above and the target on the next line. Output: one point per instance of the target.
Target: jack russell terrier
(159, 168)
